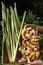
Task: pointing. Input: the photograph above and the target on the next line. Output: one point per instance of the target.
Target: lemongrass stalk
(2, 20)
(15, 10)
(12, 29)
(11, 37)
(16, 16)
(8, 45)
(8, 30)
(16, 27)
(8, 49)
(17, 20)
(19, 35)
(14, 36)
(12, 23)
(3, 12)
(5, 38)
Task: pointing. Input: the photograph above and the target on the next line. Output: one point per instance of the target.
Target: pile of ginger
(30, 48)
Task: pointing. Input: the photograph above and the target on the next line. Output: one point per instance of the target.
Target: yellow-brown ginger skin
(30, 45)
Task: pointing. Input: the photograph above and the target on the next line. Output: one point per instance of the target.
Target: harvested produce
(11, 32)
(29, 49)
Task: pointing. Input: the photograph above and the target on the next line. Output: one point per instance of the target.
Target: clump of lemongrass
(11, 31)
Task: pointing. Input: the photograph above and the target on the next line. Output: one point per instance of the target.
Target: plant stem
(19, 35)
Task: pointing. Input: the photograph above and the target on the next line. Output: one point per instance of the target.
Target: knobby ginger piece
(30, 45)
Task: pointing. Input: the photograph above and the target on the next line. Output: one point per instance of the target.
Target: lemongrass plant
(11, 30)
